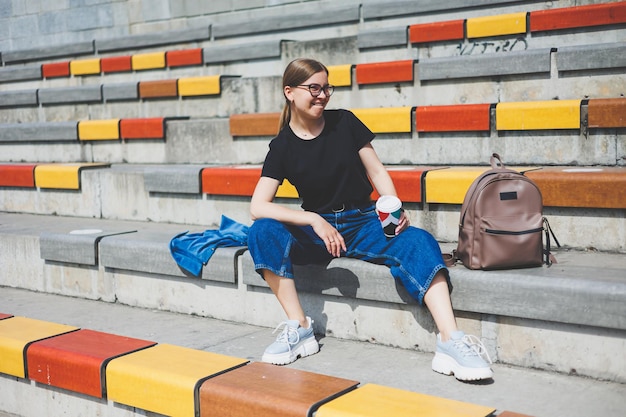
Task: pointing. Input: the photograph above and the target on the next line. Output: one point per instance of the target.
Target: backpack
(502, 222)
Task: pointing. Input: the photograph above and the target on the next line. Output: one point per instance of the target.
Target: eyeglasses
(316, 89)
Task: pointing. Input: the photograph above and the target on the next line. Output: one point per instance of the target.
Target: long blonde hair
(298, 71)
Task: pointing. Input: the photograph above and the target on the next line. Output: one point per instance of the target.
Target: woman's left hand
(403, 224)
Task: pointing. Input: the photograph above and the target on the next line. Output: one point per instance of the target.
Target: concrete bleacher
(110, 148)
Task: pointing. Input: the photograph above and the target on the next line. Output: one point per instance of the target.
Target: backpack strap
(450, 258)
(496, 165)
(549, 257)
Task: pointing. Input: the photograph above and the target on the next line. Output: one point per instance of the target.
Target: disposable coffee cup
(389, 209)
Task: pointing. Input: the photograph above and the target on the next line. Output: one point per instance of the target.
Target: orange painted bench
(77, 361)
(462, 117)
(185, 57)
(593, 187)
(143, 128)
(17, 175)
(437, 31)
(385, 72)
(116, 64)
(258, 389)
(158, 89)
(56, 69)
(254, 124)
(578, 16)
(609, 112)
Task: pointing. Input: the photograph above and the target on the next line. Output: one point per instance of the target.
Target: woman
(328, 157)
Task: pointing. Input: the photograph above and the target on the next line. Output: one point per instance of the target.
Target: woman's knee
(262, 227)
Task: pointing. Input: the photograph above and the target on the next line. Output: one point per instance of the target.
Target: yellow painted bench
(85, 67)
(505, 24)
(537, 115)
(62, 176)
(449, 185)
(108, 129)
(199, 86)
(146, 61)
(165, 378)
(340, 75)
(372, 400)
(386, 119)
(16, 334)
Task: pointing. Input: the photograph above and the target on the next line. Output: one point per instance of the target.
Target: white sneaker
(462, 356)
(292, 343)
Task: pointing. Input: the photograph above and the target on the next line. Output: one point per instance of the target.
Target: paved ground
(537, 393)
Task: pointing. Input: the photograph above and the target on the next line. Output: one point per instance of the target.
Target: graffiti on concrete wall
(486, 47)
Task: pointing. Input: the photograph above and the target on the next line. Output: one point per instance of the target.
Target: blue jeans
(413, 256)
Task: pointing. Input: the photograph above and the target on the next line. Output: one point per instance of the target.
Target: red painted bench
(116, 64)
(408, 181)
(185, 57)
(77, 361)
(385, 72)
(143, 128)
(576, 17)
(437, 31)
(241, 181)
(56, 69)
(462, 117)
(17, 175)
(230, 180)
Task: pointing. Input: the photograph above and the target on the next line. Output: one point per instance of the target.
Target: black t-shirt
(326, 170)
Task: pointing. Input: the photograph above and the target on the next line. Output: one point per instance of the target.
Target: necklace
(307, 133)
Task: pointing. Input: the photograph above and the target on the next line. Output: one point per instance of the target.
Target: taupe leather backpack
(502, 222)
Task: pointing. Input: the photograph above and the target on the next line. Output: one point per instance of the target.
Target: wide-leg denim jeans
(414, 256)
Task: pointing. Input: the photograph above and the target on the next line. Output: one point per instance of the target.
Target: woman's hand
(403, 224)
(331, 237)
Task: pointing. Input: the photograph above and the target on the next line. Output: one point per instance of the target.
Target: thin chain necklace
(306, 134)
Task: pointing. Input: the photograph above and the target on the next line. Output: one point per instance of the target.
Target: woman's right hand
(331, 236)
(262, 206)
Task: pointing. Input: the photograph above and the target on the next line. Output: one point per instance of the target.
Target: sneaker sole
(308, 348)
(447, 365)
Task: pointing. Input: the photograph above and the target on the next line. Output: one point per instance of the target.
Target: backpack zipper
(506, 232)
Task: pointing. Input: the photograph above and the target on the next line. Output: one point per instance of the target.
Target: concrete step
(528, 317)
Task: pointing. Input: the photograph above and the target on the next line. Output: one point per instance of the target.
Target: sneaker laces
(284, 336)
(471, 345)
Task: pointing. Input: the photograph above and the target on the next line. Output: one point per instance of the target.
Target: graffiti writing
(484, 47)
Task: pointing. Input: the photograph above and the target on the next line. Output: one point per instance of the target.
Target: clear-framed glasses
(316, 89)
